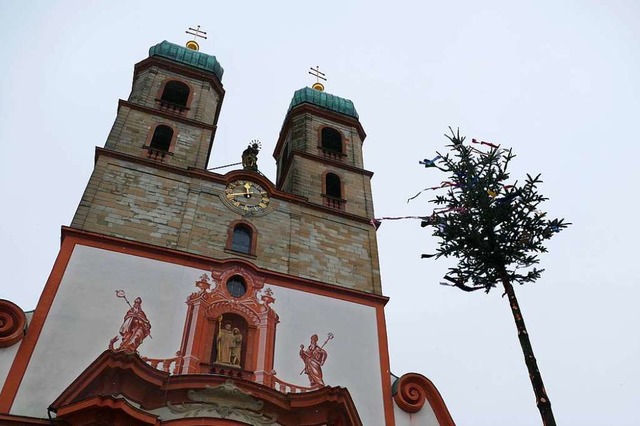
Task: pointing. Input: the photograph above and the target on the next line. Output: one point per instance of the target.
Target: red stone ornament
(412, 391)
(13, 323)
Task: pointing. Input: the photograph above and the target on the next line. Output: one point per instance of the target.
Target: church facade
(182, 296)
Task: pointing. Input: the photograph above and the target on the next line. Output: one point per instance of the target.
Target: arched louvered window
(331, 140)
(333, 187)
(175, 93)
(161, 139)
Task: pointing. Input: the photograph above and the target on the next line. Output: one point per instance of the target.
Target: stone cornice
(204, 262)
(322, 160)
(320, 112)
(226, 178)
(179, 69)
(167, 115)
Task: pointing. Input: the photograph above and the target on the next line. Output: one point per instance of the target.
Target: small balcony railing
(156, 154)
(333, 202)
(284, 387)
(331, 154)
(231, 371)
(168, 365)
(172, 107)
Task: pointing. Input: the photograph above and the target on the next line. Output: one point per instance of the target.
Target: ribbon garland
(430, 163)
(492, 145)
(432, 219)
(444, 184)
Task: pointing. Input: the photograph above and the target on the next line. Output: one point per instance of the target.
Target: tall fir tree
(495, 228)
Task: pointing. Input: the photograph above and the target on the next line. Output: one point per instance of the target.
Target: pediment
(121, 388)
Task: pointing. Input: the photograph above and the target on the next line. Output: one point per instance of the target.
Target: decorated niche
(230, 326)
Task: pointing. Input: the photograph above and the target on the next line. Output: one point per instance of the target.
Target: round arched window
(236, 286)
(331, 140)
(176, 92)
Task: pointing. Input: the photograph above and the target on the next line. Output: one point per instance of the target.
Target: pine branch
(485, 221)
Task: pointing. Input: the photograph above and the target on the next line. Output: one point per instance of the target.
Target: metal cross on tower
(319, 76)
(195, 32)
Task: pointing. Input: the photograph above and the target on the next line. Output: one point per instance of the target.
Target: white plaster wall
(7, 355)
(86, 314)
(353, 359)
(425, 417)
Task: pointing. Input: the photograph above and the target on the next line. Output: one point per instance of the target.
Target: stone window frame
(329, 153)
(330, 200)
(254, 238)
(176, 110)
(242, 281)
(159, 154)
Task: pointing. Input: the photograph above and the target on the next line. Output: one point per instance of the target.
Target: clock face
(247, 196)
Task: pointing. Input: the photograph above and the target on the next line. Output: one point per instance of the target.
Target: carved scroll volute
(12, 323)
(411, 392)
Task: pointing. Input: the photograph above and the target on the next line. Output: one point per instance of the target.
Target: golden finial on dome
(319, 76)
(195, 32)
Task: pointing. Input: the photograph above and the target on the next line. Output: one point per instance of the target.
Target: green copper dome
(323, 100)
(188, 57)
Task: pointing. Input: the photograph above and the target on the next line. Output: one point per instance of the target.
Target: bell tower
(167, 124)
(319, 153)
(172, 111)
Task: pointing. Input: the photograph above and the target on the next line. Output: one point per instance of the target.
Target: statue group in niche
(229, 345)
(314, 357)
(135, 326)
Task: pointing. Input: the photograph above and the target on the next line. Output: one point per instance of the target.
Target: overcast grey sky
(559, 81)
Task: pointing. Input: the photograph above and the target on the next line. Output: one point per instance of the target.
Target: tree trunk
(542, 401)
